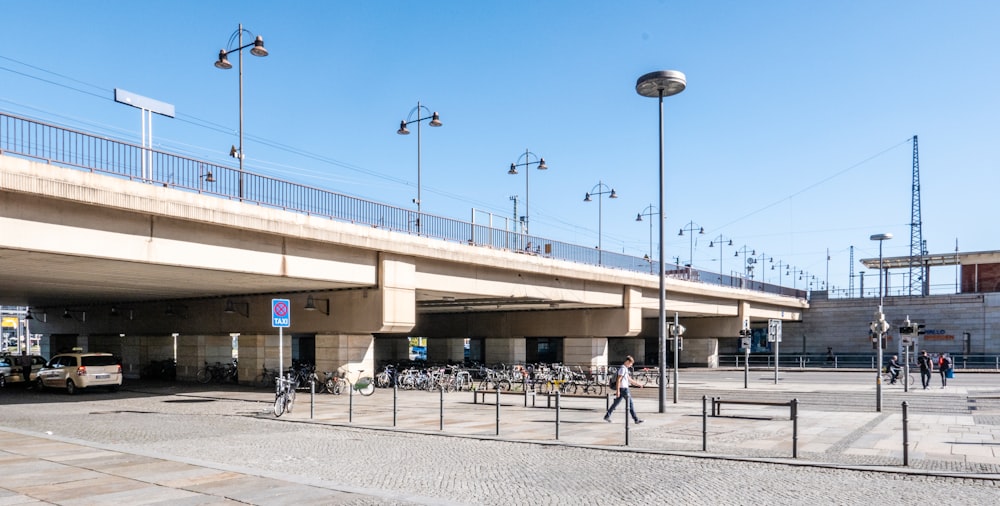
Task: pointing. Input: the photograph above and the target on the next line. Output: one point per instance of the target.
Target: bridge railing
(81, 150)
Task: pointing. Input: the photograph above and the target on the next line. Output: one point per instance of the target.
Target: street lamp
(513, 171)
(719, 240)
(659, 84)
(879, 326)
(435, 121)
(223, 63)
(600, 189)
(691, 227)
(746, 262)
(649, 212)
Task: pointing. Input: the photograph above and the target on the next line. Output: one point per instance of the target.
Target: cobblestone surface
(396, 467)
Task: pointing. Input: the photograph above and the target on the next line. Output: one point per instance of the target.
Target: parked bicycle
(284, 396)
(218, 373)
(364, 385)
(266, 378)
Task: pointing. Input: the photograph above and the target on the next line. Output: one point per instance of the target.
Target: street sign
(281, 313)
(774, 330)
(745, 343)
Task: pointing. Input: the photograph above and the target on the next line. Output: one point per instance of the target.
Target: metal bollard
(906, 434)
(795, 428)
(312, 397)
(441, 424)
(704, 423)
(557, 415)
(626, 401)
(350, 403)
(498, 411)
(395, 402)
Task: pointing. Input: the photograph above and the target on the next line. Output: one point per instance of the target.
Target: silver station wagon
(76, 371)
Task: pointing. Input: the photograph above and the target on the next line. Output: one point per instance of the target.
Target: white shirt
(623, 374)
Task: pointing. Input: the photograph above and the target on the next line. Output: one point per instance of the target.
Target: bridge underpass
(146, 270)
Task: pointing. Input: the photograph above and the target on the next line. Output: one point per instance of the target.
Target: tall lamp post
(600, 189)
(649, 213)
(691, 227)
(223, 63)
(435, 121)
(879, 326)
(719, 240)
(659, 84)
(746, 262)
(540, 162)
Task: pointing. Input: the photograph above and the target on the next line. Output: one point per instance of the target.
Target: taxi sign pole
(281, 317)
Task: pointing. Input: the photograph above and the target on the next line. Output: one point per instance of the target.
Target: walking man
(621, 390)
(926, 368)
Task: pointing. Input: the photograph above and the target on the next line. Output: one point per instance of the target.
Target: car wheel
(70, 387)
(38, 384)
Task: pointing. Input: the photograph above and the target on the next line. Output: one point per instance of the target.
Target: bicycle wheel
(279, 404)
(365, 386)
(503, 384)
(289, 401)
(339, 385)
(204, 376)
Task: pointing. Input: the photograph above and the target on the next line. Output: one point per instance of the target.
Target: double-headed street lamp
(659, 84)
(691, 227)
(879, 326)
(435, 121)
(649, 213)
(719, 240)
(600, 189)
(540, 162)
(223, 63)
(746, 263)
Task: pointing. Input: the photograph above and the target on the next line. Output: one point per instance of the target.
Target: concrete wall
(842, 324)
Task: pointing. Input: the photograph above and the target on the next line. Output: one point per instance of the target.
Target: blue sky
(793, 136)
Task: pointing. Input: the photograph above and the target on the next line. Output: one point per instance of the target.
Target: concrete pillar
(585, 351)
(446, 349)
(619, 347)
(351, 352)
(505, 350)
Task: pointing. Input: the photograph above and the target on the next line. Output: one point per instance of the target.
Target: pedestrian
(944, 367)
(621, 390)
(894, 369)
(926, 367)
(25, 364)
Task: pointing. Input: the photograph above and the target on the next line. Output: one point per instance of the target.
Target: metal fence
(848, 361)
(80, 150)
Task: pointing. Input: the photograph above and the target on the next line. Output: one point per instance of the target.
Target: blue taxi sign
(281, 313)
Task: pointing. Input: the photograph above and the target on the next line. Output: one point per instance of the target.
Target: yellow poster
(9, 321)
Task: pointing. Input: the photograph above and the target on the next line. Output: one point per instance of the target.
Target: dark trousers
(925, 377)
(631, 406)
(944, 377)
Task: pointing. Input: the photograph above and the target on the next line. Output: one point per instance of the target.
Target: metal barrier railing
(70, 148)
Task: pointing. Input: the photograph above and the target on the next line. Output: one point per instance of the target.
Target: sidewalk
(39, 467)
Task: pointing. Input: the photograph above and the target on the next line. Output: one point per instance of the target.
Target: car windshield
(99, 360)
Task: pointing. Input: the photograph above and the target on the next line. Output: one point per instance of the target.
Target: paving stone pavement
(188, 444)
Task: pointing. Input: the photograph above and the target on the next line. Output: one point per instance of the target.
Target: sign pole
(281, 317)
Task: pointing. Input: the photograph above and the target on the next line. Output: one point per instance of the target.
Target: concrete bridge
(150, 271)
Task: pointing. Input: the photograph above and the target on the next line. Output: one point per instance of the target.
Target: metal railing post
(441, 424)
(906, 434)
(704, 423)
(312, 397)
(795, 428)
(498, 411)
(557, 415)
(395, 404)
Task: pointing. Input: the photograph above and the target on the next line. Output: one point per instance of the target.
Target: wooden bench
(476, 394)
(717, 403)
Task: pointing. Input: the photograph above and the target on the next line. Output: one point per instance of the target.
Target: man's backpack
(613, 379)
